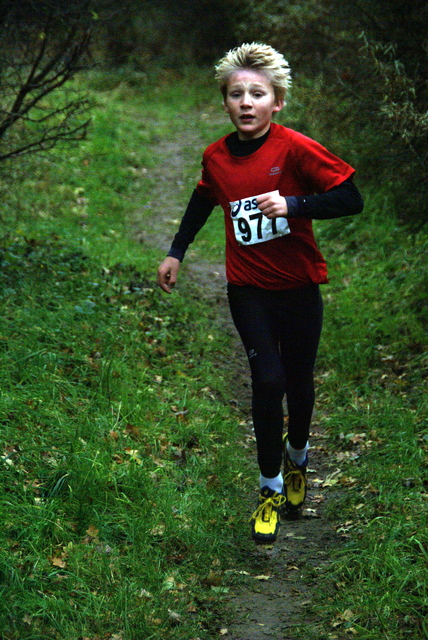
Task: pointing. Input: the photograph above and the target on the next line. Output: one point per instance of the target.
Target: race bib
(251, 226)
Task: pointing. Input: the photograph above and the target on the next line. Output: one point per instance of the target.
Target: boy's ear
(278, 105)
(225, 106)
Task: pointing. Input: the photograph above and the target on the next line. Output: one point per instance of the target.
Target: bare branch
(49, 140)
(38, 58)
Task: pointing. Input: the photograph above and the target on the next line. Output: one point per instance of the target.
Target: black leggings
(280, 331)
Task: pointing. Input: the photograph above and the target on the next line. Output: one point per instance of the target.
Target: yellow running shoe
(295, 483)
(265, 519)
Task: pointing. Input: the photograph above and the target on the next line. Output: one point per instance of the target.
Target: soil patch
(276, 585)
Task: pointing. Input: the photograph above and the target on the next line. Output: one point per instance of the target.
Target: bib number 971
(251, 226)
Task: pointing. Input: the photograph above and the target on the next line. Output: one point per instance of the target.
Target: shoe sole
(266, 539)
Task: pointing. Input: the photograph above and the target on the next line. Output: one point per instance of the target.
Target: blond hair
(258, 57)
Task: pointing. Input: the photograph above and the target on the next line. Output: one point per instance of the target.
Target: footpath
(276, 584)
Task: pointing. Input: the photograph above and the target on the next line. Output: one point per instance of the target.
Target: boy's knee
(269, 386)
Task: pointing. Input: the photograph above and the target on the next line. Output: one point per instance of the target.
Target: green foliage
(117, 438)
(168, 34)
(359, 77)
(373, 367)
(113, 443)
(367, 77)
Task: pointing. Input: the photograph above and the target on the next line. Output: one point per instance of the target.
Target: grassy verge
(118, 442)
(373, 369)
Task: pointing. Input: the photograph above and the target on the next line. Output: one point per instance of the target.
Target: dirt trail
(277, 584)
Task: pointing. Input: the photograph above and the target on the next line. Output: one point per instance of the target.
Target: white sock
(275, 484)
(297, 455)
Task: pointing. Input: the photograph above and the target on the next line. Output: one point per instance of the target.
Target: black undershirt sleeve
(197, 213)
(340, 201)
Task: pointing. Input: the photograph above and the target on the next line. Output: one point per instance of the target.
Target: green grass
(112, 424)
(372, 395)
(122, 462)
(117, 437)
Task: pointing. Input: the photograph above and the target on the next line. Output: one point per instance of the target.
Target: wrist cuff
(292, 206)
(176, 253)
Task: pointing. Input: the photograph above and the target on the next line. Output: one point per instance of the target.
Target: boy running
(270, 181)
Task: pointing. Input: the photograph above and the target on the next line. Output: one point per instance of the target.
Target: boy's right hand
(167, 273)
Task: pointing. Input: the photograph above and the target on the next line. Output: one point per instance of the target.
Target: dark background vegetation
(364, 65)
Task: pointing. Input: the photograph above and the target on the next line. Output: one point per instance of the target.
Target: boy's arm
(195, 216)
(197, 213)
(343, 200)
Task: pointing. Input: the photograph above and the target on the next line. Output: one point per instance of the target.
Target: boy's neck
(241, 148)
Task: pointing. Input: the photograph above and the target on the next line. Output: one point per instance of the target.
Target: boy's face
(250, 102)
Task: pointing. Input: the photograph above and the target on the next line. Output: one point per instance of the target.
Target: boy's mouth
(246, 118)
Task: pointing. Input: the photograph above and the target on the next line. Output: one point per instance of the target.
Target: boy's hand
(167, 273)
(272, 205)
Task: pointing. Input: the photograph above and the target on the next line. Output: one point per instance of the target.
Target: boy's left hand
(272, 205)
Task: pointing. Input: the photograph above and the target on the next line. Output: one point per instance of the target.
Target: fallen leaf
(174, 617)
(92, 531)
(59, 562)
(242, 573)
(213, 579)
(169, 583)
(310, 513)
(180, 413)
(317, 498)
(158, 531)
(346, 481)
(356, 437)
(348, 614)
(132, 431)
(332, 478)
(212, 480)
(134, 455)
